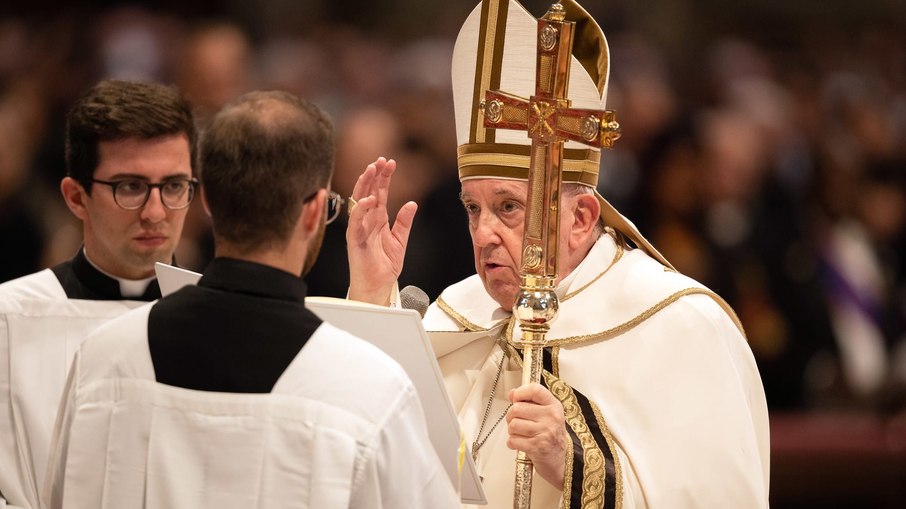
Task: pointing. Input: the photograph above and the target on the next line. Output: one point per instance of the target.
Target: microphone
(413, 297)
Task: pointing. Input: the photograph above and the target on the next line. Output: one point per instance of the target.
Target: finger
(363, 184)
(533, 392)
(360, 225)
(381, 186)
(526, 428)
(403, 224)
(546, 415)
(532, 446)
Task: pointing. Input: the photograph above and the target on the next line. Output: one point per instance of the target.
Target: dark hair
(117, 110)
(262, 156)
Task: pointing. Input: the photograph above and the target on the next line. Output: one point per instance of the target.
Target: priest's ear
(584, 213)
(74, 195)
(312, 214)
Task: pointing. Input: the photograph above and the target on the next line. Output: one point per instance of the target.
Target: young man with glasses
(231, 393)
(129, 157)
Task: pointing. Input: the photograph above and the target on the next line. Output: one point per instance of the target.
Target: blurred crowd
(771, 170)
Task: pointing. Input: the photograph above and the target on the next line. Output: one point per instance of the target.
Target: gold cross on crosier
(549, 121)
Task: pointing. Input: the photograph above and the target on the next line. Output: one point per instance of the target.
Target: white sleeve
(52, 494)
(11, 477)
(403, 451)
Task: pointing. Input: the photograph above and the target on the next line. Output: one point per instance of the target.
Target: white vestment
(40, 331)
(671, 381)
(343, 427)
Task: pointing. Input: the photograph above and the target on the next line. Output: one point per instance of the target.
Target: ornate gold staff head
(496, 50)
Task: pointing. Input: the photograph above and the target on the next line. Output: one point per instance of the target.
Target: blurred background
(763, 152)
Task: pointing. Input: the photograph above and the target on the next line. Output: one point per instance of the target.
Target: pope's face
(126, 243)
(496, 211)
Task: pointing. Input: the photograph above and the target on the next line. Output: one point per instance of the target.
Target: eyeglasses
(334, 204)
(133, 193)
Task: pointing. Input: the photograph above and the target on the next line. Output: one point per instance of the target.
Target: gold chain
(476, 444)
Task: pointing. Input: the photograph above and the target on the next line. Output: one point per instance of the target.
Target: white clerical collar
(602, 248)
(128, 287)
(565, 283)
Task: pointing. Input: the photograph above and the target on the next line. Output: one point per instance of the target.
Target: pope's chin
(503, 292)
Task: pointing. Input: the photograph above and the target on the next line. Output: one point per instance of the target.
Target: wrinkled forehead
(478, 188)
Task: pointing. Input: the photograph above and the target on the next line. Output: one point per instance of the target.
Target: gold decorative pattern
(610, 129)
(543, 112)
(502, 160)
(531, 256)
(567, 478)
(535, 219)
(645, 315)
(458, 318)
(568, 123)
(489, 63)
(493, 110)
(618, 470)
(545, 76)
(548, 38)
(555, 361)
(524, 150)
(556, 13)
(591, 127)
(609, 333)
(515, 114)
(515, 167)
(594, 462)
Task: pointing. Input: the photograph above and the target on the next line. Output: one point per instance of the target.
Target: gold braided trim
(488, 64)
(617, 466)
(555, 361)
(645, 315)
(516, 167)
(567, 478)
(514, 149)
(458, 318)
(507, 160)
(616, 258)
(594, 473)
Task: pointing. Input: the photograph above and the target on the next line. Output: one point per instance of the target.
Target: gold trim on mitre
(508, 161)
(589, 45)
(497, 46)
(496, 50)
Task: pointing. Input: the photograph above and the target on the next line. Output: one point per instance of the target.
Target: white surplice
(40, 331)
(343, 427)
(662, 359)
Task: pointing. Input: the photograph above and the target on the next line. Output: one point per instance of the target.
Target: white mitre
(497, 50)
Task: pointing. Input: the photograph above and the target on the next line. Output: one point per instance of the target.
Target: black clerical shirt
(236, 331)
(81, 280)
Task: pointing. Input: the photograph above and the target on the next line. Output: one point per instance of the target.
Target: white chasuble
(662, 396)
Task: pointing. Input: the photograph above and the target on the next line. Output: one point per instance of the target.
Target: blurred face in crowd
(127, 243)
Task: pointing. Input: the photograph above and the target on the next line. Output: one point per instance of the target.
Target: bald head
(261, 157)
